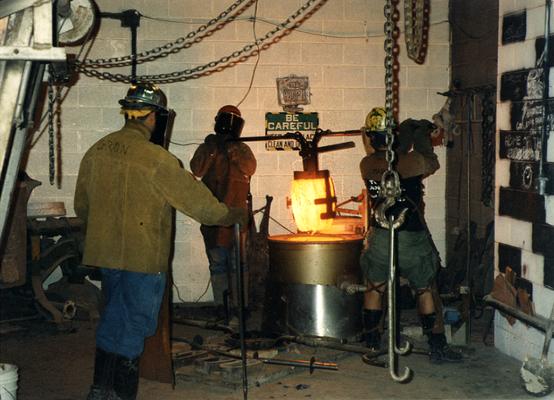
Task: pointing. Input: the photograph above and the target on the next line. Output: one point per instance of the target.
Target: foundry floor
(56, 365)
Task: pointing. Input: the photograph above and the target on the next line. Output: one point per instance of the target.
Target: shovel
(536, 374)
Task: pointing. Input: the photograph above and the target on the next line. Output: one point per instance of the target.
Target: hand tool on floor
(537, 375)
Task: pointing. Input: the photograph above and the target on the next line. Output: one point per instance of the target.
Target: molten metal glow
(307, 214)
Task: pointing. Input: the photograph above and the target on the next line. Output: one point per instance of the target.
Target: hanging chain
(247, 51)
(416, 24)
(58, 135)
(51, 153)
(391, 14)
(390, 188)
(488, 152)
(175, 46)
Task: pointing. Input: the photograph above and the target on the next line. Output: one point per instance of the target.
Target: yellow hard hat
(376, 120)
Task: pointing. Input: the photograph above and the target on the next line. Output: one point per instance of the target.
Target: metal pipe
(331, 345)
(312, 364)
(536, 321)
(544, 132)
(242, 324)
(393, 349)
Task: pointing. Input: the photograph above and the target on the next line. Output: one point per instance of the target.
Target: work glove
(218, 140)
(238, 215)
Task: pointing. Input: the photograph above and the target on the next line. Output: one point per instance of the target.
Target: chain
(416, 24)
(488, 151)
(390, 188)
(391, 13)
(215, 66)
(174, 46)
(51, 154)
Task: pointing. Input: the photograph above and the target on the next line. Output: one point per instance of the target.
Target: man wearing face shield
(126, 189)
(225, 166)
(417, 258)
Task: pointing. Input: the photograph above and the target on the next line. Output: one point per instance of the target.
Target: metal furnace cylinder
(303, 295)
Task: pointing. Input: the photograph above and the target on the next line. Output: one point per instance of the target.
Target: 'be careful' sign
(281, 123)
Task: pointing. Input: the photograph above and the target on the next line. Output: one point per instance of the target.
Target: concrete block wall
(340, 49)
(523, 238)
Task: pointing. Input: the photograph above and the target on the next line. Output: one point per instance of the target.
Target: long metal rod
(545, 125)
(468, 222)
(536, 321)
(242, 322)
(393, 349)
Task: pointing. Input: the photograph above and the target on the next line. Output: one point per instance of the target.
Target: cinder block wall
(524, 226)
(340, 49)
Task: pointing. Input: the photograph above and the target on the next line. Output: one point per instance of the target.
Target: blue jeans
(132, 305)
(221, 260)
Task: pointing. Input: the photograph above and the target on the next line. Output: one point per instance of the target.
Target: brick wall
(340, 49)
(523, 221)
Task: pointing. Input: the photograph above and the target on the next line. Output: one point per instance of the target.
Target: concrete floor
(56, 365)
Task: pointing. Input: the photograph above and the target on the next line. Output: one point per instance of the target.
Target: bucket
(8, 382)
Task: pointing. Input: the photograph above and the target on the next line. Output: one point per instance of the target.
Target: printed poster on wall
(284, 122)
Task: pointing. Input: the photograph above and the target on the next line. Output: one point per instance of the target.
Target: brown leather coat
(125, 192)
(226, 171)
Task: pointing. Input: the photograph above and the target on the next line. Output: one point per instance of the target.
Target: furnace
(307, 269)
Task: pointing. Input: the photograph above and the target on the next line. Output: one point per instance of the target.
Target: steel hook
(403, 350)
(390, 190)
(394, 350)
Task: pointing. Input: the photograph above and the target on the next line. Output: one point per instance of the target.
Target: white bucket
(8, 382)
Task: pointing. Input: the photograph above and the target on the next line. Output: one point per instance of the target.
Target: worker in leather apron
(225, 166)
(126, 190)
(417, 258)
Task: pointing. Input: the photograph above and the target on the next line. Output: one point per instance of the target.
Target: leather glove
(238, 215)
(218, 140)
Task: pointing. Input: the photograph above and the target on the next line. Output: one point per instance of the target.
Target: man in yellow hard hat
(417, 258)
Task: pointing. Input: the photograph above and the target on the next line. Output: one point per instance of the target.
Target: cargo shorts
(416, 259)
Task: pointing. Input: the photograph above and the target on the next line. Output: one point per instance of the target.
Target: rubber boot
(372, 336)
(439, 351)
(126, 378)
(104, 370)
(219, 287)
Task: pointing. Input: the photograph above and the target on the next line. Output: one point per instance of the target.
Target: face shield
(147, 96)
(164, 127)
(228, 121)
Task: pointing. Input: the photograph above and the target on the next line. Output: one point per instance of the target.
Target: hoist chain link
(488, 153)
(241, 55)
(390, 188)
(416, 27)
(51, 153)
(170, 47)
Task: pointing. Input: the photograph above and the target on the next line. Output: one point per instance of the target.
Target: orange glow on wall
(308, 202)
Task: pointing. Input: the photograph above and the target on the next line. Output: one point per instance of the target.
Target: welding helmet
(228, 121)
(376, 127)
(144, 98)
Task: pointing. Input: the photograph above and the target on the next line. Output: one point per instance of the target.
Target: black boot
(439, 351)
(104, 367)
(126, 378)
(372, 336)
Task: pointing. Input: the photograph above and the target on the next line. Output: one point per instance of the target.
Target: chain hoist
(488, 124)
(284, 28)
(416, 27)
(390, 190)
(51, 151)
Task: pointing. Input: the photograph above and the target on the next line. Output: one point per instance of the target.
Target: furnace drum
(303, 295)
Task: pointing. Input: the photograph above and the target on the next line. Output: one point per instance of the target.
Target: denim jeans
(221, 260)
(132, 305)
